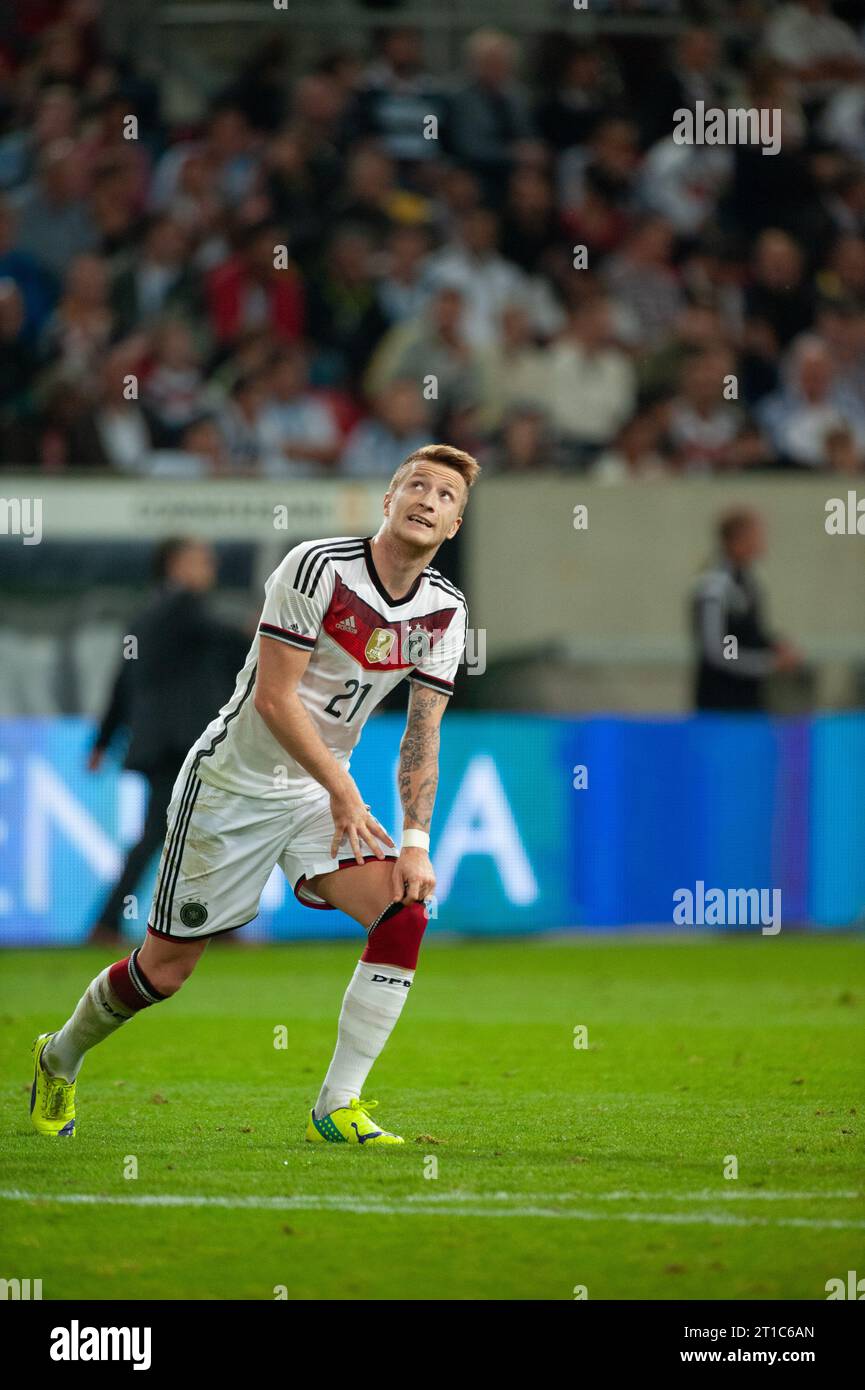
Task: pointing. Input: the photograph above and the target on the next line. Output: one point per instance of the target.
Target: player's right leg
(150, 974)
(218, 854)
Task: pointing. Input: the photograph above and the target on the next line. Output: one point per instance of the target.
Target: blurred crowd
(330, 268)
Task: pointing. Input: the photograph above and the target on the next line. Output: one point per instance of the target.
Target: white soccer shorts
(221, 849)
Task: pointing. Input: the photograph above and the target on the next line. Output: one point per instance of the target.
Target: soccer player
(268, 782)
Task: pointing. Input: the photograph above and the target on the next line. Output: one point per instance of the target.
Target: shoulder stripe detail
(449, 589)
(434, 682)
(343, 555)
(328, 548)
(292, 639)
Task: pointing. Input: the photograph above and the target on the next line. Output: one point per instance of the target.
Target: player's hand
(352, 817)
(413, 876)
(94, 759)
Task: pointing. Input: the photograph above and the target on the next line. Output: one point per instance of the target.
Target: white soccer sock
(98, 1013)
(372, 1004)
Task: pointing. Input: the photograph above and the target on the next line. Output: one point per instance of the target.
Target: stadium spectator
(811, 405)
(590, 387)
(253, 289)
(432, 351)
(345, 319)
(641, 279)
(17, 356)
(201, 452)
(706, 426)
(639, 450)
(818, 48)
(16, 264)
(174, 388)
(157, 280)
(241, 420)
(526, 443)
(121, 426)
(693, 75)
(80, 328)
(54, 221)
(299, 434)
(490, 125)
(403, 288)
(488, 281)
(399, 425)
(586, 83)
(779, 297)
(395, 95)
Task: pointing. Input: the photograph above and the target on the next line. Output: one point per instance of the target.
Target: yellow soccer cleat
(52, 1098)
(349, 1125)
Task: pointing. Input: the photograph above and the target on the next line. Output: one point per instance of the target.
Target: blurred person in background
(844, 453)
(240, 420)
(345, 319)
(403, 289)
(394, 94)
(156, 279)
(432, 344)
(81, 327)
(590, 385)
(526, 443)
(54, 220)
(490, 124)
(400, 426)
(34, 283)
(298, 431)
(780, 297)
(248, 291)
(706, 426)
(640, 450)
(201, 452)
(642, 281)
(727, 602)
(799, 417)
(18, 361)
(174, 387)
(183, 670)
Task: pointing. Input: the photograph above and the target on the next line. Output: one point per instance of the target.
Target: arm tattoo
(418, 756)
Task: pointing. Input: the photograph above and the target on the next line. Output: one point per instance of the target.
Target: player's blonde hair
(463, 463)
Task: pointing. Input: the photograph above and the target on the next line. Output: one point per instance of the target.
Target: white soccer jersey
(327, 598)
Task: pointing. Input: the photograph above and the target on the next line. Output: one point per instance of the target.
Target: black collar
(374, 576)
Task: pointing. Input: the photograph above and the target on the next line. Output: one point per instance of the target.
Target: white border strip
(426, 1206)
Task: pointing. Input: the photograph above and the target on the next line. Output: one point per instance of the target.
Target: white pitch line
(707, 1194)
(372, 1207)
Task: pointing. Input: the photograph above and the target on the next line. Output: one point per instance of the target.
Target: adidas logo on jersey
(347, 625)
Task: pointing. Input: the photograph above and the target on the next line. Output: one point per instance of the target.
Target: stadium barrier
(542, 823)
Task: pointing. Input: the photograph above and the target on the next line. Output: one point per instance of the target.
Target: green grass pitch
(557, 1166)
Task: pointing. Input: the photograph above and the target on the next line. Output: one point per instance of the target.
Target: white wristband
(415, 839)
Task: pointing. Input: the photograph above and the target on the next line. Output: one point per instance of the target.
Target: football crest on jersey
(373, 640)
(380, 644)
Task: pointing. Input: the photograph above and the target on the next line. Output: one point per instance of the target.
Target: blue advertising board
(541, 823)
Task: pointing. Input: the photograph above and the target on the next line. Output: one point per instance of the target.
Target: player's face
(424, 508)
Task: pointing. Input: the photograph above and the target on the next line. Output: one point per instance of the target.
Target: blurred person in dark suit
(184, 669)
(728, 603)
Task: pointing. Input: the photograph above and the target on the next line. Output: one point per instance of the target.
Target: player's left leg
(376, 992)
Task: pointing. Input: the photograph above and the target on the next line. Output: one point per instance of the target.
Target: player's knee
(396, 934)
(163, 968)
